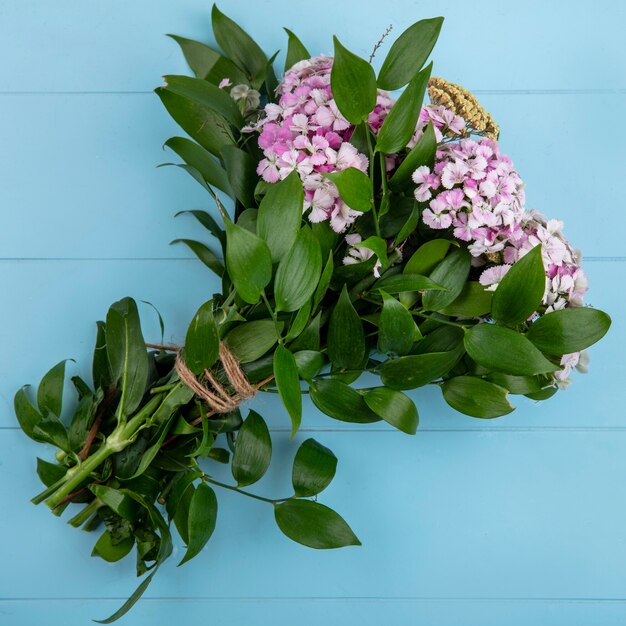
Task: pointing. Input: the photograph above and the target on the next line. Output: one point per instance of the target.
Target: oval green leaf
(476, 397)
(251, 340)
(394, 407)
(313, 469)
(346, 339)
(396, 327)
(201, 520)
(341, 402)
(451, 273)
(354, 187)
(253, 450)
(288, 384)
(202, 343)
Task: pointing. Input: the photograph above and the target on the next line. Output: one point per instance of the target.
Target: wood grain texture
(505, 522)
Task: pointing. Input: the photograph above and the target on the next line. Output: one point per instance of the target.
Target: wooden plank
(120, 46)
(84, 182)
(53, 307)
(312, 612)
(491, 515)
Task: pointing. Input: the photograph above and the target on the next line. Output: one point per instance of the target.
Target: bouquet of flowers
(354, 232)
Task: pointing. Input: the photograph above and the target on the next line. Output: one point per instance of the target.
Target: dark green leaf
(49, 473)
(207, 94)
(346, 340)
(296, 51)
(326, 237)
(202, 161)
(396, 328)
(409, 225)
(50, 391)
(81, 422)
(298, 272)
(253, 450)
(183, 482)
(409, 53)
(313, 469)
(101, 370)
(109, 551)
(451, 273)
(280, 215)
(127, 354)
(407, 282)
(399, 125)
(378, 246)
(516, 384)
(410, 372)
(249, 262)
(309, 363)
(341, 402)
(426, 258)
(248, 220)
(201, 520)
(117, 501)
(209, 223)
(520, 292)
(241, 170)
(202, 123)
(353, 84)
(476, 397)
(314, 525)
(288, 384)
(202, 343)
(271, 82)
(394, 407)
(238, 45)
(309, 339)
(473, 301)
(204, 254)
(324, 283)
(251, 340)
(503, 350)
(423, 153)
(299, 322)
(27, 415)
(355, 188)
(569, 330)
(130, 603)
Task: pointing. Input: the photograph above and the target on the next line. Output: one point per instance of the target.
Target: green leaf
(423, 153)
(503, 350)
(341, 402)
(81, 422)
(207, 94)
(130, 603)
(355, 188)
(473, 301)
(569, 330)
(271, 82)
(251, 340)
(451, 273)
(407, 282)
(426, 258)
(280, 215)
(396, 327)
(309, 363)
(238, 45)
(181, 484)
(117, 501)
(202, 161)
(209, 223)
(202, 123)
(298, 272)
(346, 339)
(248, 261)
(314, 525)
(409, 225)
(248, 220)
(50, 391)
(353, 84)
(127, 354)
(49, 473)
(207, 63)
(202, 342)
(253, 450)
(410, 372)
(409, 53)
(296, 51)
(326, 237)
(322, 286)
(313, 469)
(394, 407)
(476, 397)
(378, 246)
(101, 370)
(516, 384)
(299, 322)
(288, 384)
(109, 551)
(176, 397)
(27, 415)
(309, 338)
(241, 170)
(399, 125)
(204, 254)
(201, 520)
(51, 430)
(520, 292)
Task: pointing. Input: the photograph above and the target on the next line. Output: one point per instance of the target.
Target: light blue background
(511, 522)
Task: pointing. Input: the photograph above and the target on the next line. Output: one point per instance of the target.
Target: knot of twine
(208, 388)
(211, 390)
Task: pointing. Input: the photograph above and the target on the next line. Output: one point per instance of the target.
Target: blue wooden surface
(509, 522)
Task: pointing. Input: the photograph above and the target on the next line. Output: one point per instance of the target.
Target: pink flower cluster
(304, 131)
(476, 191)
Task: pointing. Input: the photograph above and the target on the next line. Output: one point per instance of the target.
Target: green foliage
(253, 450)
(476, 397)
(296, 51)
(313, 469)
(355, 188)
